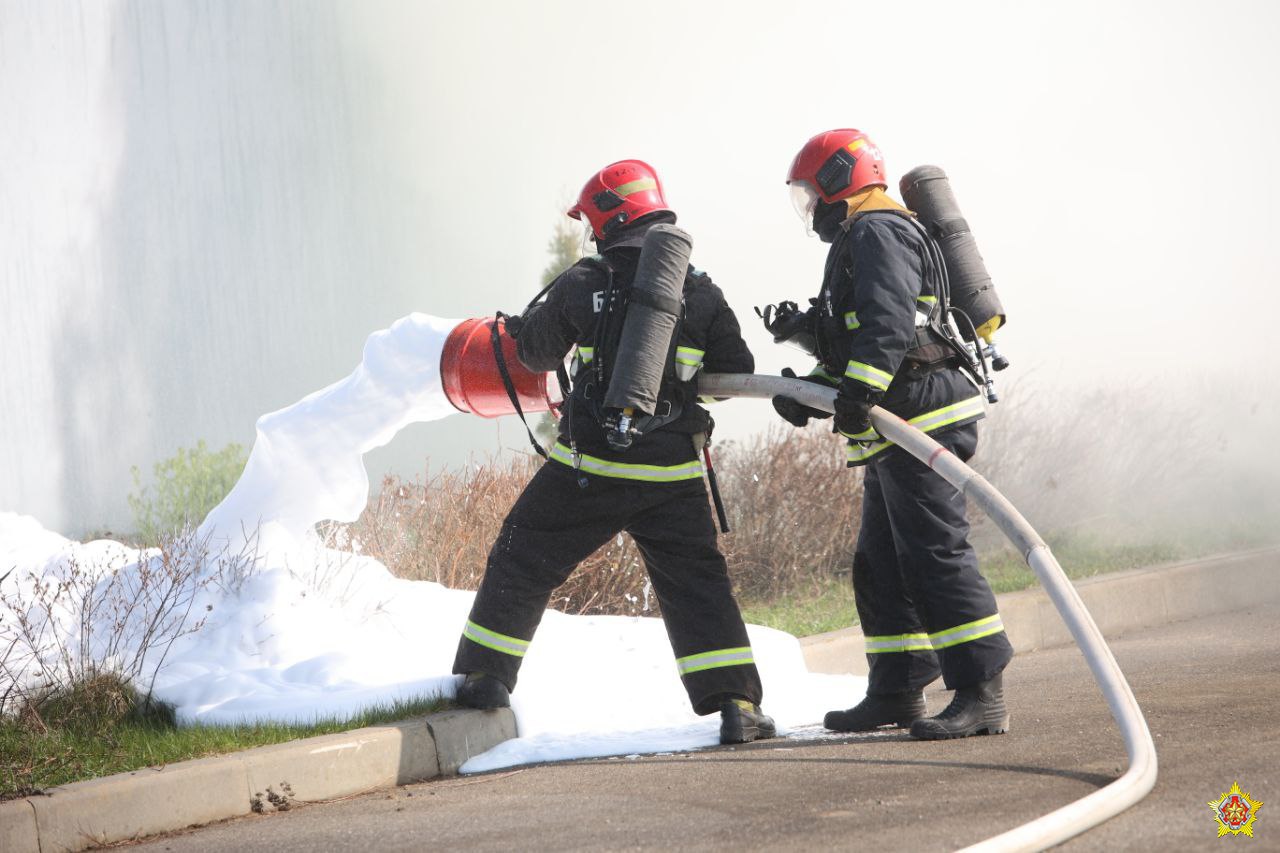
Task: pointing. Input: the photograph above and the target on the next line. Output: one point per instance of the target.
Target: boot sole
(897, 724)
(999, 728)
(746, 735)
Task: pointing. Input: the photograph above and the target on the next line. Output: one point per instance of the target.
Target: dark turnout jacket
(709, 339)
(881, 282)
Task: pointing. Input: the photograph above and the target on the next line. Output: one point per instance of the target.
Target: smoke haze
(205, 208)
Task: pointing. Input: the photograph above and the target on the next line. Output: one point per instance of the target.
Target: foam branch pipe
(1103, 804)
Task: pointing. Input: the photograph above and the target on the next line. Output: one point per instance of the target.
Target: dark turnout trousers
(555, 525)
(924, 606)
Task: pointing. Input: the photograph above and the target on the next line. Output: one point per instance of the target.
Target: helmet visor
(588, 245)
(804, 198)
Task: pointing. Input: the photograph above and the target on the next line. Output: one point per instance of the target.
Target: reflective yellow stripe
(856, 144)
(928, 422)
(965, 633)
(821, 372)
(851, 320)
(863, 452)
(873, 376)
(586, 354)
(927, 300)
(513, 646)
(637, 186)
(897, 643)
(689, 355)
(869, 434)
(715, 659)
(625, 471)
(948, 414)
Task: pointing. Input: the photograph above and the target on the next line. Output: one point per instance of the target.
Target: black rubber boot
(973, 711)
(888, 709)
(483, 691)
(743, 722)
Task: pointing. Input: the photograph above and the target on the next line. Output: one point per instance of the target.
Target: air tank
(927, 192)
(653, 309)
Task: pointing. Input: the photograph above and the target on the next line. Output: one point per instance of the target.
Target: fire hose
(1103, 804)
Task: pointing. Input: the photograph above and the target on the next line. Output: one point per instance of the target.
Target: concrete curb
(150, 801)
(1119, 602)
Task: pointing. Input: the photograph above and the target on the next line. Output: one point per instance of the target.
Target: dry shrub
(790, 501)
(793, 509)
(440, 529)
(73, 629)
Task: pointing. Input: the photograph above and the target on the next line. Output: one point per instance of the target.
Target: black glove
(853, 414)
(793, 411)
(513, 324)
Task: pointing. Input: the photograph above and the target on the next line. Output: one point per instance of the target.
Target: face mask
(804, 199)
(588, 237)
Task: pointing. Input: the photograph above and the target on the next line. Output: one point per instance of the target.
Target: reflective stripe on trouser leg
(714, 659)
(677, 538)
(493, 640)
(938, 640)
(947, 597)
(552, 527)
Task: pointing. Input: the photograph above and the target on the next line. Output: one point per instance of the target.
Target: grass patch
(829, 607)
(100, 729)
(1006, 571)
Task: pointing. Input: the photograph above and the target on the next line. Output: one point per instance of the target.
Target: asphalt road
(1209, 687)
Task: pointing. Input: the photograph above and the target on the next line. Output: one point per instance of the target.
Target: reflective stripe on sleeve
(821, 372)
(689, 355)
(691, 470)
(873, 376)
(869, 434)
(715, 659)
(688, 362)
(851, 320)
(513, 646)
(586, 354)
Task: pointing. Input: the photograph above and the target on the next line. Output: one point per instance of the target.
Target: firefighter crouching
(924, 607)
(589, 490)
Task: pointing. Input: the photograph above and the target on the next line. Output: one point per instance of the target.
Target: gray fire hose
(1103, 804)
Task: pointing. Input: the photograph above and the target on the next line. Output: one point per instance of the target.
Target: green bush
(186, 486)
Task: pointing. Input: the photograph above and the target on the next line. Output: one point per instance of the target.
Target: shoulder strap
(498, 356)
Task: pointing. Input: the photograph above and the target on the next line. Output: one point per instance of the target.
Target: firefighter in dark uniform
(925, 608)
(588, 491)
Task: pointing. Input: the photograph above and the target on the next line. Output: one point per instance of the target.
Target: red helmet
(620, 192)
(835, 165)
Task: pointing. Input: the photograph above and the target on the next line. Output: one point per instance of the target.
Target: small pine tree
(186, 486)
(565, 248)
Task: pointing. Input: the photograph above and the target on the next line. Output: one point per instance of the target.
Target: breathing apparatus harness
(622, 425)
(591, 379)
(938, 342)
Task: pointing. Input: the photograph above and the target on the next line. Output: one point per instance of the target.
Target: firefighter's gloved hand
(853, 416)
(792, 410)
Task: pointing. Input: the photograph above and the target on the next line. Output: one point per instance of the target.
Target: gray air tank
(927, 192)
(653, 309)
